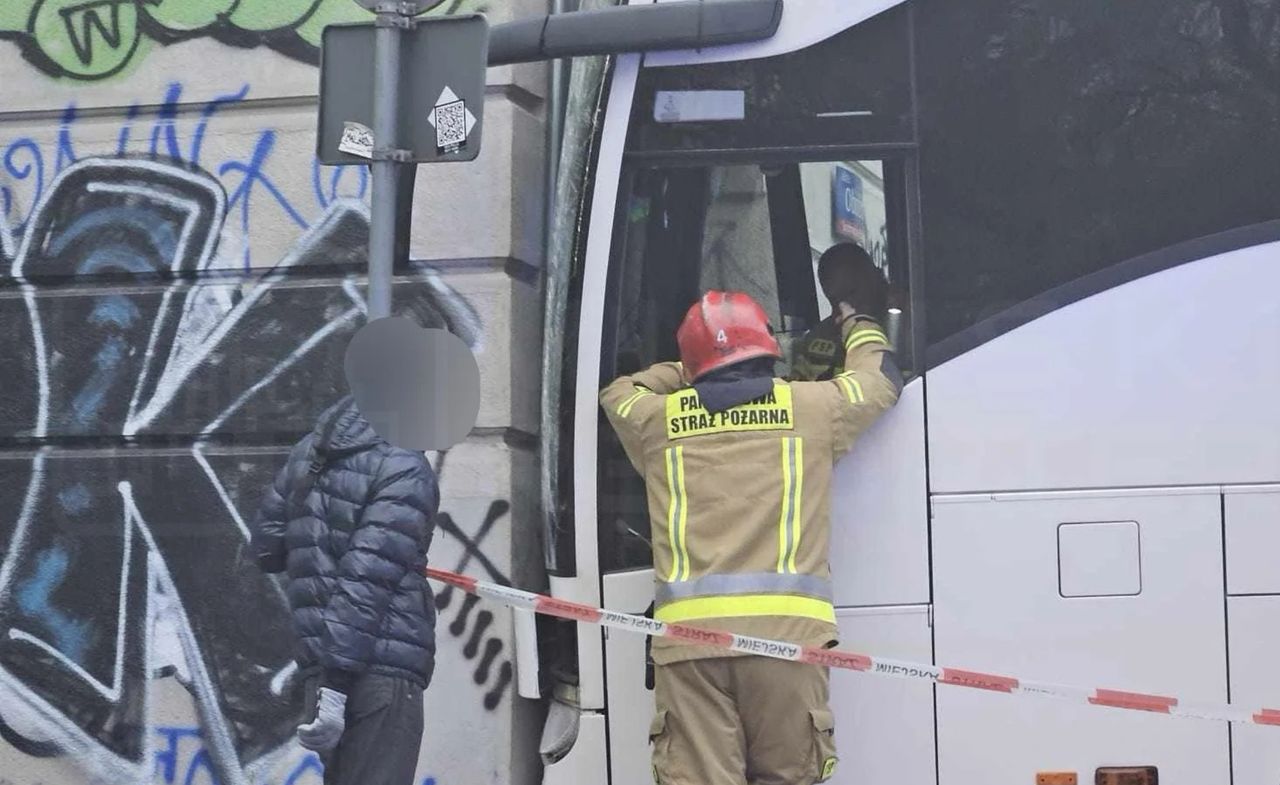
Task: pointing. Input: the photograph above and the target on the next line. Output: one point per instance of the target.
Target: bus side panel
(884, 727)
(1170, 379)
(631, 701)
(1252, 540)
(1255, 638)
(1111, 591)
(880, 513)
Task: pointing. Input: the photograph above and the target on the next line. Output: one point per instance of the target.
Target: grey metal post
(386, 91)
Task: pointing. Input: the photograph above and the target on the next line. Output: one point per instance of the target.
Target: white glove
(322, 733)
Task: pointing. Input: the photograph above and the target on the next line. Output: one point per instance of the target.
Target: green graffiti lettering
(96, 39)
(263, 16)
(182, 17)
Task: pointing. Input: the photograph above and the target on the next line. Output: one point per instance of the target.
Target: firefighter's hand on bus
(845, 312)
(663, 378)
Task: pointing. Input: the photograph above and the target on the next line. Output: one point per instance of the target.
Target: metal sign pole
(387, 157)
(394, 94)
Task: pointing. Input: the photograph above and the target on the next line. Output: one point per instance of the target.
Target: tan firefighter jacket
(739, 501)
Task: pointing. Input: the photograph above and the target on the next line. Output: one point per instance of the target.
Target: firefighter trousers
(742, 721)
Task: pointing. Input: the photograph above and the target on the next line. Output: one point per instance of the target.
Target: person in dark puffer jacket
(350, 522)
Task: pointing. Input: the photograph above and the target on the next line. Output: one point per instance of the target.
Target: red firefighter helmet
(721, 329)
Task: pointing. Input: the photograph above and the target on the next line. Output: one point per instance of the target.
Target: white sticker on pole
(357, 139)
(452, 120)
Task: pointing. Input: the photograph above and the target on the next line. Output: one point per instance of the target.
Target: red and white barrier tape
(863, 663)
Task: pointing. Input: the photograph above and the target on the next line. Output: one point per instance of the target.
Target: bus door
(759, 228)
(748, 200)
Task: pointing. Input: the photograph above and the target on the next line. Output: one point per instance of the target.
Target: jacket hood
(343, 430)
(735, 385)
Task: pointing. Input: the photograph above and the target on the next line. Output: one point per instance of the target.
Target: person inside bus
(738, 466)
(845, 269)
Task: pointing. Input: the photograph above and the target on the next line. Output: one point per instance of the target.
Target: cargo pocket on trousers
(824, 744)
(661, 743)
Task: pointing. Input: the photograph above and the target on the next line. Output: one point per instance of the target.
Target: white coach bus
(1077, 203)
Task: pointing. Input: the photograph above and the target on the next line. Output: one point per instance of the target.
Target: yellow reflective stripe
(673, 514)
(743, 605)
(684, 513)
(864, 337)
(625, 409)
(857, 386)
(866, 332)
(849, 392)
(798, 505)
(784, 524)
(792, 499)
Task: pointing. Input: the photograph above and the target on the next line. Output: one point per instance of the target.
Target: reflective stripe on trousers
(743, 605)
(751, 583)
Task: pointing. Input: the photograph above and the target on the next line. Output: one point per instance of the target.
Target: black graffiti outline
(125, 176)
(29, 747)
(230, 769)
(484, 618)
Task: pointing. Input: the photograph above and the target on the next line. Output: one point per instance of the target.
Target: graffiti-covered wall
(178, 281)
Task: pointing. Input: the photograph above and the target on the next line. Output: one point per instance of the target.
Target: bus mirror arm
(692, 24)
(560, 732)
(526, 645)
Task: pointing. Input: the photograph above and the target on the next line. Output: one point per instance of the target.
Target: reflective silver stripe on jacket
(751, 583)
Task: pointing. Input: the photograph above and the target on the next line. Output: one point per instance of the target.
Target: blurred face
(419, 389)
(849, 276)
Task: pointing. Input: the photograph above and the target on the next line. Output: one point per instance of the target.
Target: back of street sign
(442, 89)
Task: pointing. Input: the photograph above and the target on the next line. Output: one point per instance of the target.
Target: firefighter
(843, 269)
(738, 468)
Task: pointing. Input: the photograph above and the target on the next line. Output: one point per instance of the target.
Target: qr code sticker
(451, 125)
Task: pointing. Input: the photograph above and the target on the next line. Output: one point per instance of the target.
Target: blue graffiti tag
(75, 499)
(166, 116)
(170, 759)
(200, 762)
(309, 763)
(336, 176)
(70, 636)
(20, 171)
(66, 153)
(254, 175)
(25, 160)
(167, 758)
(210, 109)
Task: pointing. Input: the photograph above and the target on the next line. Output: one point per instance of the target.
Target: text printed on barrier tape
(863, 663)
